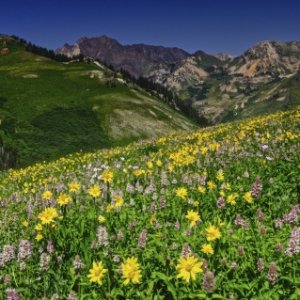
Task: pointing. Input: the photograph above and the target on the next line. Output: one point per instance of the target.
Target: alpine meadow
(150, 150)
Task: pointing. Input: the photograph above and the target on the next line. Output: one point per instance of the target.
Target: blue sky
(228, 26)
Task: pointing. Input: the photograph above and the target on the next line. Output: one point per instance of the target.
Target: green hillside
(213, 214)
(49, 109)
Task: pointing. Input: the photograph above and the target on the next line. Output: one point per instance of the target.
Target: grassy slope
(150, 202)
(64, 110)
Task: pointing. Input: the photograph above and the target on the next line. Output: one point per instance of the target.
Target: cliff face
(137, 59)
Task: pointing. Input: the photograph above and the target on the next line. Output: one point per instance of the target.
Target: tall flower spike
(142, 239)
(293, 247)
(209, 282)
(272, 273)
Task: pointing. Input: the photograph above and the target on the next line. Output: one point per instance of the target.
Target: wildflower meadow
(213, 214)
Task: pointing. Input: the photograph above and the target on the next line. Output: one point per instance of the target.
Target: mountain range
(265, 78)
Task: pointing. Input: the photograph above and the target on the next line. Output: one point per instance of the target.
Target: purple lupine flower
(292, 216)
(260, 264)
(116, 258)
(142, 239)
(174, 246)
(187, 232)
(59, 259)
(153, 207)
(240, 222)
(150, 188)
(240, 250)
(262, 230)
(209, 281)
(293, 247)
(132, 224)
(24, 249)
(186, 250)
(72, 296)
(22, 265)
(278, 223)
(279, 247)
(162, 202)
(164, 179)
(120, 235)
(130, 188)
(221, 202)
(223, 262)
(77, 263)
(50, 247)
(139, 188)
(44, 261)
(11, 294)
(177, 225)
(272, 273)
(154, 196)
(231, 297)
(260, 215)
(256, 188)
(234, 265)
(174, 181)
(93, 245)
(1, 260)
(8, 253)
(102, 236)
(29, 210)
(6, 279)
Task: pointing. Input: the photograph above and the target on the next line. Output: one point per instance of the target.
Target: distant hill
(219, 87)
(50, 108)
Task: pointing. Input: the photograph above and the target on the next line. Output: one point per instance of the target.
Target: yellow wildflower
(159, 163)
(48, 215)
(131, 271)
(39, 237)
(181, 192)
(47, 195)
(193, 217)
(25, 223)
(97, 272)
(74, 187)
(211, 185)
(139, 172)
(201, 189)
(248, 197)
(38, 227)
(231, 199)
(207, 249)
(101, 219)
(63, 199)
(220, 175)
(94, 191)
(212, 233)
(107, 176)
(118, 201)
(196, 203)
(150, 164)
(188, 267)
(109, 208)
